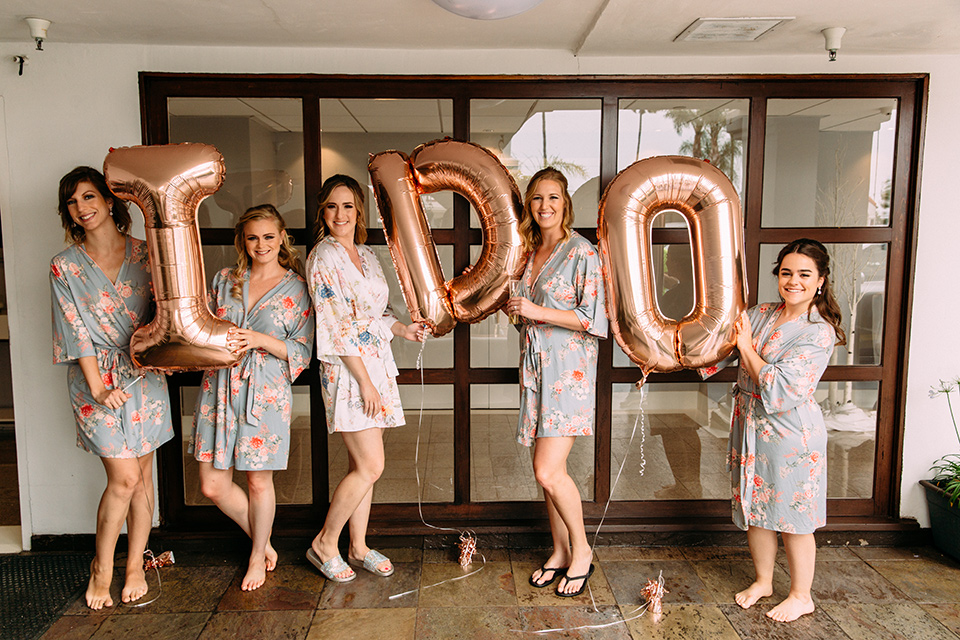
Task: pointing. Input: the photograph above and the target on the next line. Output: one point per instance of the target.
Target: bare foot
(98, 589)
(749, 596)
(134, 584)
(256, 575)
(326, 554)
(791, 608)
(271, 557)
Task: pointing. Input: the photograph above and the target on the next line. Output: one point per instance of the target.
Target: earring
(819, 290)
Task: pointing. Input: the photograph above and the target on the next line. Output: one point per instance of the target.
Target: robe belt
(530, 354)
(251, 375)
(116, 361)
(748, 444)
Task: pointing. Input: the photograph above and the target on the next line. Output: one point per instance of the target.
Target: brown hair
(529, 229)
(339, 180)
(289, 257)
(68, 186)
(824, 299)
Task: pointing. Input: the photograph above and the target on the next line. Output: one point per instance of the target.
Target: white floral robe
(242, 418)
(558, 366)
(353, 319)
(95, 317)
(778, 442)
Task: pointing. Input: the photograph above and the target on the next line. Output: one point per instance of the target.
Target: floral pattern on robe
(778, 441)
(558, 366)
(242, 418)
(95, 317)
(353, 319)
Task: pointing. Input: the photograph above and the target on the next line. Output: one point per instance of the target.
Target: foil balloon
(476, 174)
(706, 198)
(168, 183)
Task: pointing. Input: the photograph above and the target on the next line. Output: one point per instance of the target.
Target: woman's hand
(111, 398)
(372, 404)
(242, 340)
(414, 332)
(519, 306)
(744, 333)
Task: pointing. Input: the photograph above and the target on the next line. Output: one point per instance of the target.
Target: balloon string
(416, 467)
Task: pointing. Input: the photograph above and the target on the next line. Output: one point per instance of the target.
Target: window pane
(437, 352)
(713, 130)
(828, 163)
(261, 140)
(528, 135)
(494, 342)
(398, 483)
(858, 273)
(292, 485)
(502, 468)
(352, 129)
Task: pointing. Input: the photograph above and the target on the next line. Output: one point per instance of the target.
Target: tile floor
(862, 593)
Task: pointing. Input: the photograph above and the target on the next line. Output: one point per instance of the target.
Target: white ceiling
(582, 27)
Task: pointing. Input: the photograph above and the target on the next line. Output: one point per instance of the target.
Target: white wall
(75, 101)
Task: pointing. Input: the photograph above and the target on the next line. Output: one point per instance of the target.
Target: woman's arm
(750, 360)
(110, 398)
(371, 397)
(241, 340)
(566, 318)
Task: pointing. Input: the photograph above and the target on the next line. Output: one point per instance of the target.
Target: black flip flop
(571, 579)
(543, 569)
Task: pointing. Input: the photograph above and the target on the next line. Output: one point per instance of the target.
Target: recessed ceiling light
(729, 29)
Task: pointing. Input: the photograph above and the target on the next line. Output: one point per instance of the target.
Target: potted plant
(943, 492)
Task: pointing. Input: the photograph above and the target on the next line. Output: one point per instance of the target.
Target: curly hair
(68, 186)
(289, 257)
(824, 299)
(326, 190)
(529, 229)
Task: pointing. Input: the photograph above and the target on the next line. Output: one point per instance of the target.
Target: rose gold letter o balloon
(168, 183)
(703, 195)
(477, 175)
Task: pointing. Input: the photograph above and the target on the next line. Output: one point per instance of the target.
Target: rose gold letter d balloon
(168, 183)
(703, 195)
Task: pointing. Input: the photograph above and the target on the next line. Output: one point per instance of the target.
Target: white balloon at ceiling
(487, 9)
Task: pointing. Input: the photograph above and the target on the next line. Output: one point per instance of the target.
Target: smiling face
(262, 240)
(798, 280)
(547, 205)
(340, 214)
(87, 207)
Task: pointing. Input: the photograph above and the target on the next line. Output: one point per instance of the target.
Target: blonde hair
(326, 190)
(529, 229)
(289, 257)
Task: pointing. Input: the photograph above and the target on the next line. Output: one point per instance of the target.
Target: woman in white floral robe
(358, 373)
(778, 442)
(561, 309)
(101, 293)
(242, 417)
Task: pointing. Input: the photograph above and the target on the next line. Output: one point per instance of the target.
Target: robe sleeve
(299, 340)
(339, 333)
(706, 372)
(792, 380)
(591, 301)
(71, 338)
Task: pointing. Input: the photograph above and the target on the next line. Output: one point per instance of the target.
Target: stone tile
(893, 621)
(452, 554)
(947, 614)
(494, 581)
(402, 554)
(258, 625)
(187, 589)
(639, 553)
(349, 624)
(75, 627)
(368, 591)
(852, 582)
(204, 553)
(696, 554)
(160, 626)
(753, 624)
(627, 578)
(535, 619)
(923, 580)
(530, 596)
(288, 587)
(725, 578)
(467, 623)
(680, 622)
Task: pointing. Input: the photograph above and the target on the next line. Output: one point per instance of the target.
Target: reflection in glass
(261, 140)
(712, 130)
(352, 129)
(293, 485)
(528, 135)
(398, 483)
(494, 342)
(828, 163)
(858, 273)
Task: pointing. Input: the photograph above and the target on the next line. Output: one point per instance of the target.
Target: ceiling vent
(729, 29)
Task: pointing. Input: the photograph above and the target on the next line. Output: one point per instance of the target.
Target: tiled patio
(862, 593)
